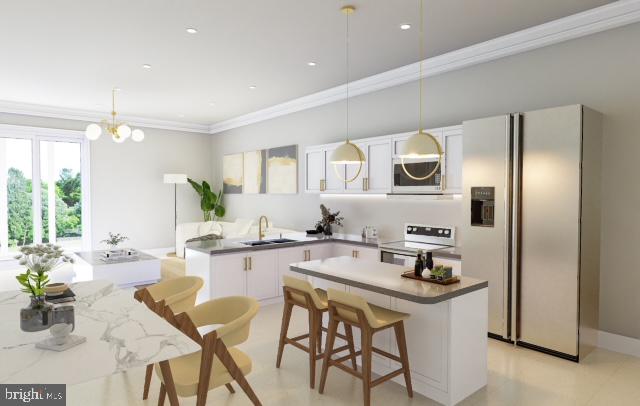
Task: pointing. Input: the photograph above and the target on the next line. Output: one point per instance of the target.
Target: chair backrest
(178, 293)
(303, 286)
(234, 313)
(353, 301)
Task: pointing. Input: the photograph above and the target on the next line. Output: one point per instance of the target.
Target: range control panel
(429, 234)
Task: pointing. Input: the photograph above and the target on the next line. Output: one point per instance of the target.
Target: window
(44, 184)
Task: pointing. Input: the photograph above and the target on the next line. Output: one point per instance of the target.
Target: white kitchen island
(446, 333)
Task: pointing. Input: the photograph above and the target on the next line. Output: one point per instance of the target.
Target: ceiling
(70, 53)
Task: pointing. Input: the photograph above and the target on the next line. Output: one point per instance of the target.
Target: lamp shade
(421, 145)
(175, 178)
(347, 154)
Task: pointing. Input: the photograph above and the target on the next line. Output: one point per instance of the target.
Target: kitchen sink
(266, 242)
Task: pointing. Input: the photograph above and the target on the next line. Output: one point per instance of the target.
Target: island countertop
(385, 278)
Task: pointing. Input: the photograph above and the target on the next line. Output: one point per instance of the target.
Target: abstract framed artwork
(232, 173)
(255, 172)
(282, 170)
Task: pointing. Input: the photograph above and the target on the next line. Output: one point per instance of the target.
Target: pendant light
(347, 153)
(421, 144)
(119, 131)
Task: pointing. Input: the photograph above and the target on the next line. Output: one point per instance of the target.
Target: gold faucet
(261, 231)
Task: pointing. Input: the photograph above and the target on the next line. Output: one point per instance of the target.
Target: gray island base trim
(385, 278)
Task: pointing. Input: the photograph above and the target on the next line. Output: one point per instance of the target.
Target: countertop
(385, 278)
(227, 246)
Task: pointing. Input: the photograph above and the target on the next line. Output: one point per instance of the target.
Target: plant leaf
(195, 185)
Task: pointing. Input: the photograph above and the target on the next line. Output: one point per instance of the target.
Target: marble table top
(121, 334)
(385, 278)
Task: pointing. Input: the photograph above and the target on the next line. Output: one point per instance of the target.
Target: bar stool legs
(367, 351)
(286, 318)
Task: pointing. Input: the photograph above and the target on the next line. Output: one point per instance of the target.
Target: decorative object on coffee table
(114, 240)
(328, 220)
(39, 259)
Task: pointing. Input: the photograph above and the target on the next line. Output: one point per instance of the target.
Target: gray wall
(601, 71)
(127, 193)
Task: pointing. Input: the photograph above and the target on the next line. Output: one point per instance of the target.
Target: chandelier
(119, 131)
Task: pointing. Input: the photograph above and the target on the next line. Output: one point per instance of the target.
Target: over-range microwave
(405, 184)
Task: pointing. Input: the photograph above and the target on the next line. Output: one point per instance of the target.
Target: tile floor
(516, 377)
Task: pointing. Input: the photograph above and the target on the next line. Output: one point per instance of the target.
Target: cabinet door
(357, 185)
(333, 183)
(314, 170)
(228, 275)
(343, 250)
(288, 256)
(369, 254)
(453, 160)
(379, 162)
(262, 274)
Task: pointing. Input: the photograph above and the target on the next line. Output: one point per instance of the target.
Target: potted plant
(210, 203)
(114, 240)
(39, 260)
(328, 220)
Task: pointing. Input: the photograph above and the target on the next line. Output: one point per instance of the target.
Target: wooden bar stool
(299, 292)
(354, 311)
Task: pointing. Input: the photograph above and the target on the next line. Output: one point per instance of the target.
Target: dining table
(121, 333)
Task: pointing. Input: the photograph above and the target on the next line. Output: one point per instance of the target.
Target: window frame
(35, 135)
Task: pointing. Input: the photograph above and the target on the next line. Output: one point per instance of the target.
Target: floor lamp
(175, 179)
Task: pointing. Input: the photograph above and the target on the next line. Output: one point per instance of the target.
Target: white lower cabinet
(245, 274)
(356, 251)
(228, 275)
(262, 274)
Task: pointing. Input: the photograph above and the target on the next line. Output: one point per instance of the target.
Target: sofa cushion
(207, 237)
(240, 228)
(209, 227)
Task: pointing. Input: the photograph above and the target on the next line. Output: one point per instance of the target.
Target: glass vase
(37, 316)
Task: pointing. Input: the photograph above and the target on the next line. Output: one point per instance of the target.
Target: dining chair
(219, 362)
(179, 294)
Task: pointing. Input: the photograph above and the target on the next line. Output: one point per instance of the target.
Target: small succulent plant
(114, 240)
(39, 259)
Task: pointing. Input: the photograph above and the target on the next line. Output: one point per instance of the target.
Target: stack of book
(66, 296)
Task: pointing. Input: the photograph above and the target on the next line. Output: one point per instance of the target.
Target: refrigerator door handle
(516, 199)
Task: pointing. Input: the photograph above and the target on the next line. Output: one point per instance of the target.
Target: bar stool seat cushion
(377, 317)
(186, 371)
(319, 296)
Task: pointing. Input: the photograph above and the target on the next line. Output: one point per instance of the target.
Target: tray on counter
(411, 275)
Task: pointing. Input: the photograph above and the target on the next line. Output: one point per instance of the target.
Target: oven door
(396, 258)
(402, 183)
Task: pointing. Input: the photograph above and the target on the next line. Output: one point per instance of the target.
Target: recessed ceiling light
(405, 26)
(192, 30)
(212, 104)
(311, 63)
(181, 115)
(253, 87)
(146, 66)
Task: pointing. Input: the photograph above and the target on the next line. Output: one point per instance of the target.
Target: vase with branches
(328, 220)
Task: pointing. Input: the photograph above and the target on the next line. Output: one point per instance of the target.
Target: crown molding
(609, 16)
(96, 116)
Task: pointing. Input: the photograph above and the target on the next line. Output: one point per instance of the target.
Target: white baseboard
(618, 343)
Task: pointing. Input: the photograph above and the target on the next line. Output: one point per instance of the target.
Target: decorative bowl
(55, 289)
(60, 332)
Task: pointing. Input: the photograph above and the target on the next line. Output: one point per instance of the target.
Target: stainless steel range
(417, 237)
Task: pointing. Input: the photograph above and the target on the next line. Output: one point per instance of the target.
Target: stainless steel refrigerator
(532, 225)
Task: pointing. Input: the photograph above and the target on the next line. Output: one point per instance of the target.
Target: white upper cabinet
(314, 170)
(452, 144)
(376, 174)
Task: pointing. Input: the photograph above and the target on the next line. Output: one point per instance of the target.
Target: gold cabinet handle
(365, 184)
(323, 185)
(245, 263)
(250, 265)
